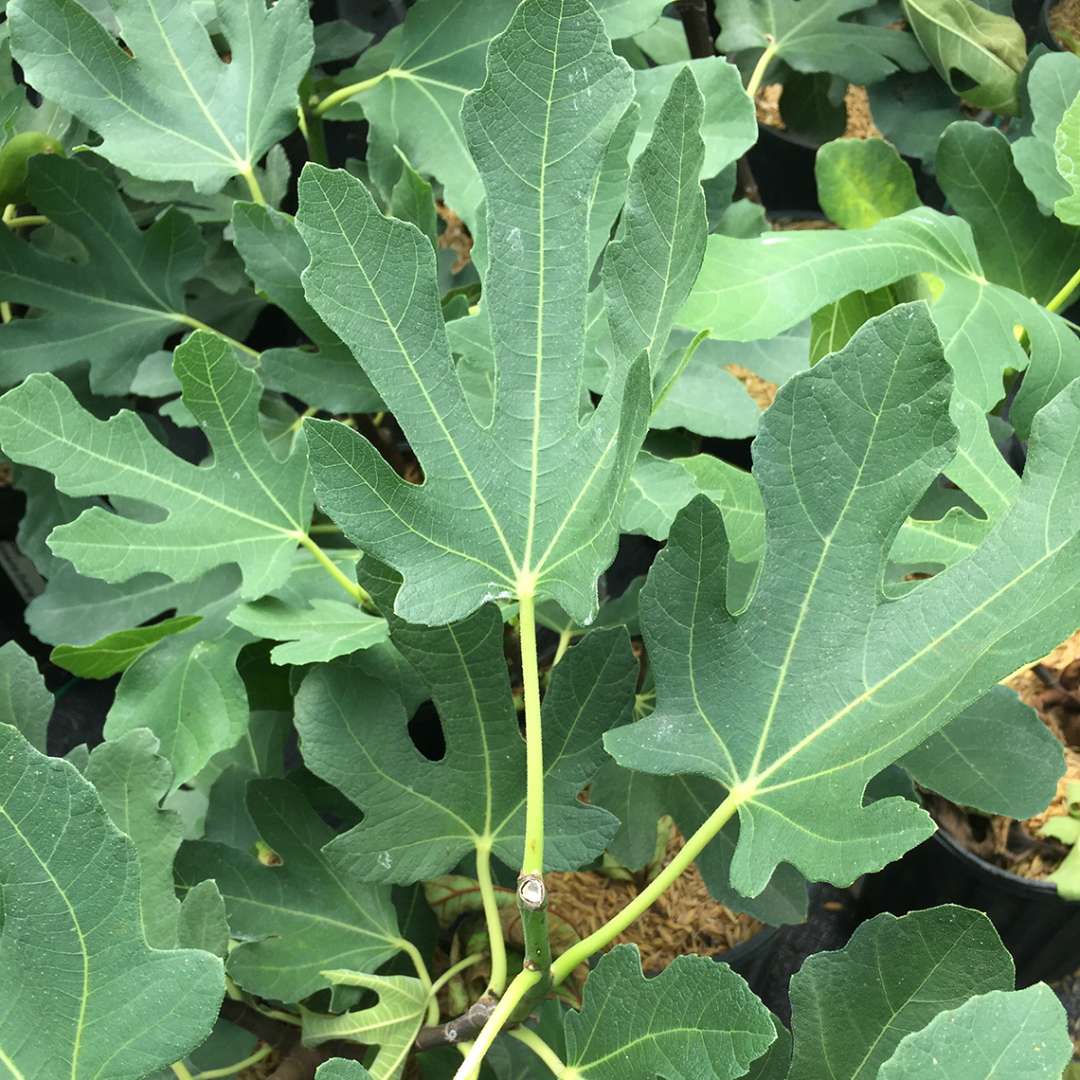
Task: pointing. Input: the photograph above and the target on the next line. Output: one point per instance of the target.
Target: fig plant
(351, 573)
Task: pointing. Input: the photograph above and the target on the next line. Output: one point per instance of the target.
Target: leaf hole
(426, 732)
(961, 81)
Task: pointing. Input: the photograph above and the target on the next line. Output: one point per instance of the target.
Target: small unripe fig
(15, 154)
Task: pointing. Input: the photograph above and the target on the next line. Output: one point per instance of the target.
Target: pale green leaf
(247, 508)
(661, 487)
(340, 1069)
(832, 326)
(111, 308)
(105, 1004)
(202, 923)
(752, 288)
(728, 125)
(274, 255)
(1002, 1035)
(312, 633)
(996, 756)
(1053, 84)
(131, 780)
(655, 256)
(116, 652)
(851, 1008)
(530, 502)
(169, 107)
(1067, 154)
(942, 541)
(696, 1019)
(817, 40)
(25, 702)
(422, 817)
(861, 181)
(391, 1024)
(978, 53)
(190, 696)
(708, 399)
(844, 453)
(294, 914)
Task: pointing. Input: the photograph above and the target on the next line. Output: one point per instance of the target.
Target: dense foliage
(338, 495)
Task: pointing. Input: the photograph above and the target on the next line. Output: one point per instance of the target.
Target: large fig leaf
(696, 1019)
(166, 104)
(422, 817)
(247, 507)
(753, 288)
(821, 681)
(850, 1009)
(85, 996)
(818, 37)
(295, 915)
(529, 503)
(111, 310)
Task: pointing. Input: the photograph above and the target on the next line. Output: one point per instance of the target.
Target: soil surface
(686, 919)
(1064, 20)
(860, 122)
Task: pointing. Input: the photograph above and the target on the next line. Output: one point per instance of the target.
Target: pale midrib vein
(404, 354)
(197, 495)
(124, 105)
(538, 376)
(870, 691)
(804, 607)
(226, 420)
(238, 160)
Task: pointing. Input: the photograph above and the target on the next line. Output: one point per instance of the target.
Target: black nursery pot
(1039, 928)
(783, 166)
(753, 959)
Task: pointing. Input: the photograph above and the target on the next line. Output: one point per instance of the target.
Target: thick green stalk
(351, 587)
(346, 92)
(497, 981)
(758, 74)
(531, 891)
(648, 896)
(533, 862)
(252, 181)
(524, 982)
(1064, 292)
(462, 965)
